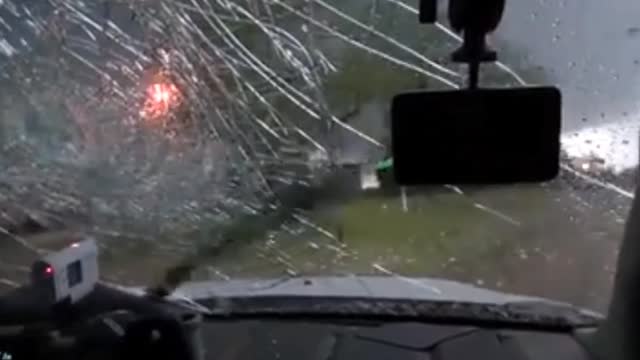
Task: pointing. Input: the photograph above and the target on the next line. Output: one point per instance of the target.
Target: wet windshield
(157, 126)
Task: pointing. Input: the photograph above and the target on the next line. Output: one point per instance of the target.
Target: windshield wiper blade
(531, 316)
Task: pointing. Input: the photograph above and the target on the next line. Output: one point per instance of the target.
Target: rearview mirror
(483, 136)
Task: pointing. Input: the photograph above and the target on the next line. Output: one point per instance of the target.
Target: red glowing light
(48, 270)
(160, 93)
(162, 98)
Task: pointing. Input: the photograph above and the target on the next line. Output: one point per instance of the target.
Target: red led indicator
(48, 270)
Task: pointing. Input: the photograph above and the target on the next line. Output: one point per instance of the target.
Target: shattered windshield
(239, 139)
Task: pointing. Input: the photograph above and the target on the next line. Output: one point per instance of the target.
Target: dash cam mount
(66, 276)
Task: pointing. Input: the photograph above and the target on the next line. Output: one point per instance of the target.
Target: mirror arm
(475, 19)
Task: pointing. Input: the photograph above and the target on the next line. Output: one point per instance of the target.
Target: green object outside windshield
(384, 164)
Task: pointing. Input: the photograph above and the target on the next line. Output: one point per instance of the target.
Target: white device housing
(69, 274)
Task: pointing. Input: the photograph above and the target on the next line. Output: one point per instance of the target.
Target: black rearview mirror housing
(480, 136)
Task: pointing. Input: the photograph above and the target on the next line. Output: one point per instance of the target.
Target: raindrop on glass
(633, 31)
